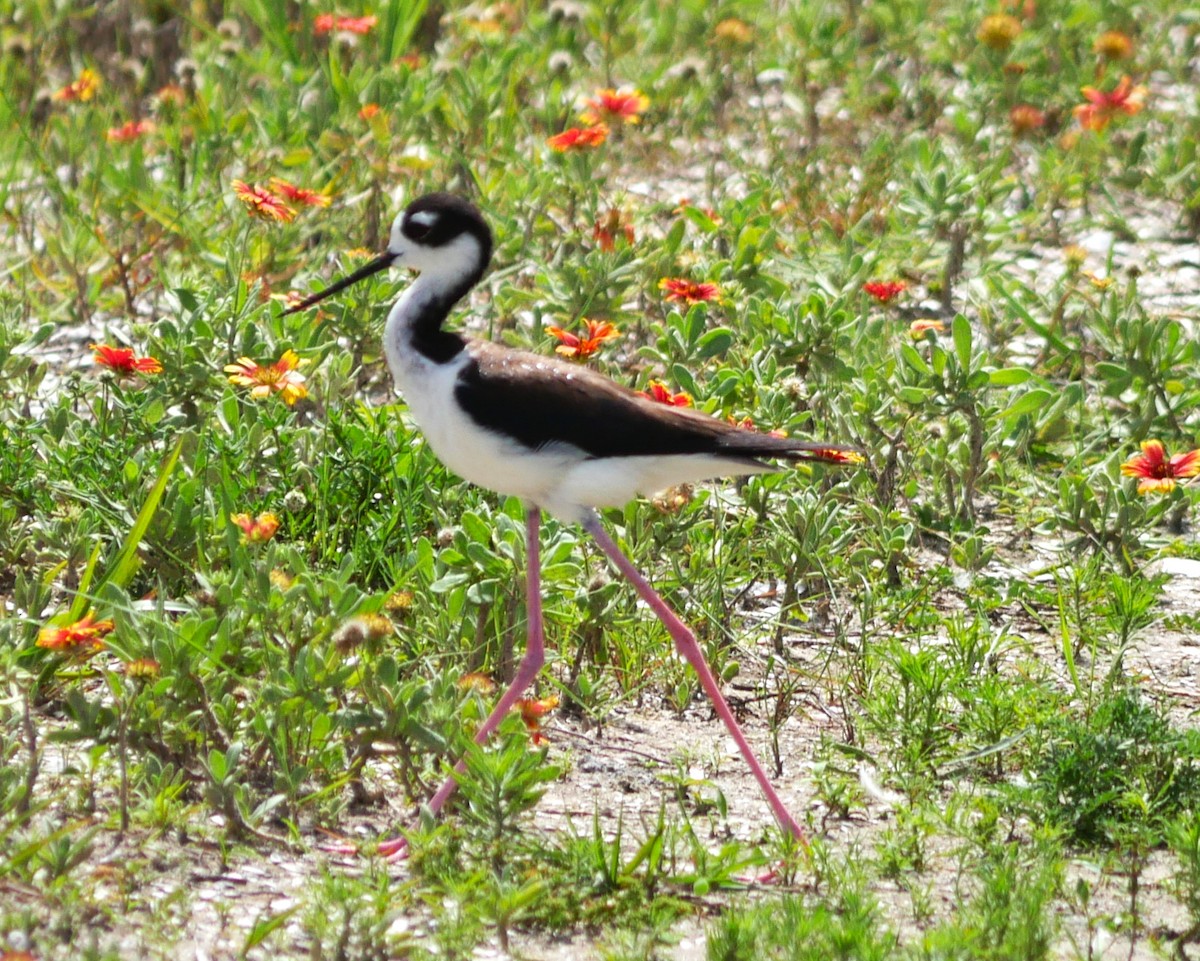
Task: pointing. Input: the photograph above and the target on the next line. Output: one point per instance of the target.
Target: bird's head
(443, 237)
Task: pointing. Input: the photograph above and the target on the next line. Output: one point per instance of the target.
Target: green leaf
(916, 396)
(82, 599)
(715, 343)
(961, 329)
(700, 218)
(127, 560)
(216, 765)
(914, 360)
(1028, 402)
(264, 926)
(1009, 376)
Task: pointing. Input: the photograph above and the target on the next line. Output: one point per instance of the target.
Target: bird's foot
(393, 850)
(776, 875)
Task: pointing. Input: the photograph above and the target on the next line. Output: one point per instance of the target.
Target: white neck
(413, 336)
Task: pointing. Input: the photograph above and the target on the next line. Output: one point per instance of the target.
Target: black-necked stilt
(560, 436)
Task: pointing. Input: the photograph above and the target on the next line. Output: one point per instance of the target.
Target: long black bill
(382, 262)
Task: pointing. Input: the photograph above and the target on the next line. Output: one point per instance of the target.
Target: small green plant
(849, 925)
(1120, 770)
(499, 789)
(1007, 916)
(1184, 838)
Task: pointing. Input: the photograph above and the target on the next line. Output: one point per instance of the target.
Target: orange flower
(1158, 473)
(532, 711)
(662, 393)
(81, 89)
(885, 291)
(123, 362)
(835, 455)
(143, 668)
(359, 25)
(1025, 119)
(368, 111)
(918, 328)
(747, 423)
(598, 331)
(688, 291)
(86, 633)
(129, 131)
(1102, 107)
(399, 604)
(476, 681)
(283, 376)
(606, 230)
(291, 300)
(362, 629)
(299, 195)
(261, 203)
(578, 138)
(625, 105)
(1113, 45)
(733, 32)
(327, 22)
(171, 95)
(998, 31)
(256, 530)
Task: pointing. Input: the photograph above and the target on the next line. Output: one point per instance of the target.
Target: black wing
(541, 401)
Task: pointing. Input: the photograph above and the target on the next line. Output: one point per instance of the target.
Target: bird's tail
(750, 443)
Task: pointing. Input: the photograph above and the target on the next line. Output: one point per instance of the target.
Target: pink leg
(689, 649)
(531, 664)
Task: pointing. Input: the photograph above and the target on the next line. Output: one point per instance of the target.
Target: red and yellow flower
(84, 635)
(688, 291)
(626, 105)
(1158, 473)
(79, 90)
(124, 362)
(262, 203)
(920, 327)
(1025, 118)
(282, 377)
(1101, 108)
(661, 393)
(256, 530)
(328, 23)
(611, 226)
(836, 455)
(532, 710)
(581, 347)
(578, 138)
(130, 131)
(885, 291)
(299, 195)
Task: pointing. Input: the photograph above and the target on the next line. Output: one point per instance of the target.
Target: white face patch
(426, 218)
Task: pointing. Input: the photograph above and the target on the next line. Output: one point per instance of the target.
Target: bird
(562, 437)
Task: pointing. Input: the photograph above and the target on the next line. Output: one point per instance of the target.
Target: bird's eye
(418, 226)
